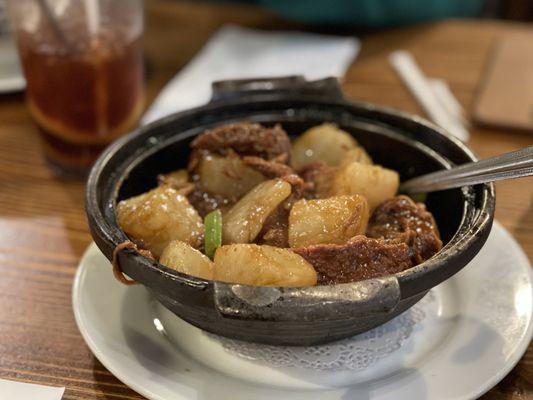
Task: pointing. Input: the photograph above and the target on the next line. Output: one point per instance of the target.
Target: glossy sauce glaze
(322, 204)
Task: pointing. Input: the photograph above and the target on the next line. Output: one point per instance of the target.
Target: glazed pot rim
(474, 221)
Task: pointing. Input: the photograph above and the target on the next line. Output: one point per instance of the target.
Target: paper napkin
(11, 390)
(239, 53)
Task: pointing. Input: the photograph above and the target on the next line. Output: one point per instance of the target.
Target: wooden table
(43, 231)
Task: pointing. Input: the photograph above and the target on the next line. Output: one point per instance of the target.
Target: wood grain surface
(43, 231)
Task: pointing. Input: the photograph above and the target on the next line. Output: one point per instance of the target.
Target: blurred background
(386, 13)
(96, 47)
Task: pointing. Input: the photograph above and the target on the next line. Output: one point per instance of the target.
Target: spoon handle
(516, 164)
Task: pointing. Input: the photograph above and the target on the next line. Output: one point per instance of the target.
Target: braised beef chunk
(275, 230)
(400, 219)
(270, 169)
(273, 170)
(246, 139)
(261, 148)
(318, 177)
(359, 259)
(205, 202)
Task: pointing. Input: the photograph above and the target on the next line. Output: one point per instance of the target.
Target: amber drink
(84, 78)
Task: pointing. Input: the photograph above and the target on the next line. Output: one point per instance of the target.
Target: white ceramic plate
(11, 78)
(457, 343)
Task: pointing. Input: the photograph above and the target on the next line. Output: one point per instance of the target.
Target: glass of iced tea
(83, 64)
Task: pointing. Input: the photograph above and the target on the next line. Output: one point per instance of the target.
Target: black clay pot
(294, 316)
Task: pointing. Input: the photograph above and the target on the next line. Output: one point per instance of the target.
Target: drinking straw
(413, 77)
(54, 23)
(443, 92)
(92, 13)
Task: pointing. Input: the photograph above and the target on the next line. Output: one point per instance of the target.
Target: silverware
(512, 165)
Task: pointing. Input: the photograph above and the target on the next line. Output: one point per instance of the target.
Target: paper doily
(355, 353)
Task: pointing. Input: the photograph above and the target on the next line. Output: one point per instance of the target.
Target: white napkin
(240, 53)
(11, 390)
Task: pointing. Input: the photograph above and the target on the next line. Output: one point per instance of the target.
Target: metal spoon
(516, 164)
